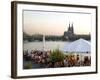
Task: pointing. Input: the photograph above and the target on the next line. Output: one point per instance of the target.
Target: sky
(55, 23)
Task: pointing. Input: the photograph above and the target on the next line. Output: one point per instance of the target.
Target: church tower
(70, 31)
(72, 28)
(69, 28)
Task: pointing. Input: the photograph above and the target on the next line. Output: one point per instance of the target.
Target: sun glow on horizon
(53, 23)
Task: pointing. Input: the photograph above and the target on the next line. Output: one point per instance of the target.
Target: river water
(49, 45)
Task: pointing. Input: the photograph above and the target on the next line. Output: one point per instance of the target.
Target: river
(49, 45)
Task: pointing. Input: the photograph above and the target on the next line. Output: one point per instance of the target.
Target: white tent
(80, 46)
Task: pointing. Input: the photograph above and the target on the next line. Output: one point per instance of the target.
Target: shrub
(28, 65)
(56, 55)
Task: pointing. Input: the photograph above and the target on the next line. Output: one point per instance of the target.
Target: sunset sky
(55, 23)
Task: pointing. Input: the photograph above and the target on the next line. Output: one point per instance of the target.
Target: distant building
(70, 31)
(70, 35)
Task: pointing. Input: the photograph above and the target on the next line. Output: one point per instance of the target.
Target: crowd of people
(75, 60)
(39, 57)
(43, 58)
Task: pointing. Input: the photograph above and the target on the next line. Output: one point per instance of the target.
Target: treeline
(75, 37)
(39, 37)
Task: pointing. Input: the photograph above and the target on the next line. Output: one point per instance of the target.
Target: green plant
(57, 55)
(28, 65)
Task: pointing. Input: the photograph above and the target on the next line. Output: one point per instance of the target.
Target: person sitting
(86, 61)
(66, 62)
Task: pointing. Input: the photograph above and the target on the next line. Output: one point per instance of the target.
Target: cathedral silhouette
(70, 31)
(70, 35)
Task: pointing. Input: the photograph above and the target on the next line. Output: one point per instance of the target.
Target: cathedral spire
(69, 27)
(69, 24)
(72, 28)
(72, 24)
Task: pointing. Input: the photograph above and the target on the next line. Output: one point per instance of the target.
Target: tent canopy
(80, 45)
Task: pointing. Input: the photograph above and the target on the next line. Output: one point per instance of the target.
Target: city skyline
(55, 23)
